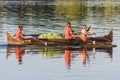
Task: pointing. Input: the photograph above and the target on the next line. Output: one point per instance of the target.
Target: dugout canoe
(105, 40)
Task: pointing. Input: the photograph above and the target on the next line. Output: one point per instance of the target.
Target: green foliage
(50, 36)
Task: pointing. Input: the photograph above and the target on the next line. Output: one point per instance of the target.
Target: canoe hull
(104, 40)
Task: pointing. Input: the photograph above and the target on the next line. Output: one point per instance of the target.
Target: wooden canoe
(105, 40)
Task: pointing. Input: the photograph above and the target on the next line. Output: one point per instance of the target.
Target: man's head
(84, 27)
(20, 26)
(68, 23)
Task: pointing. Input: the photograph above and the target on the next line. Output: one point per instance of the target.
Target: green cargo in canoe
(50, 36)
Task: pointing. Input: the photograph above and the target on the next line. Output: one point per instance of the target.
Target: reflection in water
(69, 55)
(42, 18)
(67, 58)
(77, 10)
(51, 52)
(19, 52)
(18, 55)
(86, 54)
(68, 11)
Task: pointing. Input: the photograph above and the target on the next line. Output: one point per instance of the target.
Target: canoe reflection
(86, 55)
(18, 53)
(69, 53)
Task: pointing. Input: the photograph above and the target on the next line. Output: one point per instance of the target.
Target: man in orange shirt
(68, 31)
(19, 32)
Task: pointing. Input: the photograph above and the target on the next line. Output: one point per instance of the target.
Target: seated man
(68, 31)
(84, 34)
(19, 32)
(19, 35)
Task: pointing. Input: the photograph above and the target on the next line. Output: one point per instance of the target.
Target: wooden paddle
(34, 35)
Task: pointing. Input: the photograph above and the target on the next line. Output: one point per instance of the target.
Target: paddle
(34, 35)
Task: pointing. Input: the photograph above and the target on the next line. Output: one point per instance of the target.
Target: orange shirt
(18, 34)
(67, 31)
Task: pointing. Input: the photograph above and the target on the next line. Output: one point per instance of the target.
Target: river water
(51, 63)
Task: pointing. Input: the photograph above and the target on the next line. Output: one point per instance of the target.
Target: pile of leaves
(51, 36)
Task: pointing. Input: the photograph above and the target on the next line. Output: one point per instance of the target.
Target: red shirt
(67, 32)
(18, 34)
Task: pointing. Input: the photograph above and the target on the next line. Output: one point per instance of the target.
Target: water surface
(51, 63)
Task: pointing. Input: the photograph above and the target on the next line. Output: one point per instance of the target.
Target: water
(51, 63)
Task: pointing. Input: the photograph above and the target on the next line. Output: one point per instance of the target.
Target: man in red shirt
(19, 32)
(68, 31)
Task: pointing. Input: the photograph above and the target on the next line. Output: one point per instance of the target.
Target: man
(84, 34)
(68, 31)
(19, 32)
